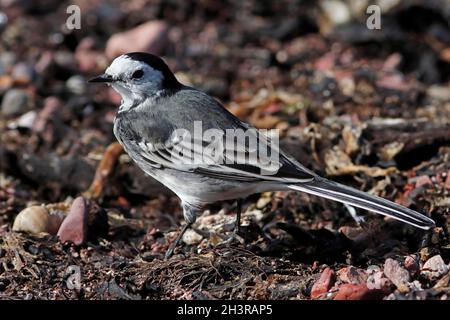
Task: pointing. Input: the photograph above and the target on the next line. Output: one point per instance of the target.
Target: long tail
(338, 192)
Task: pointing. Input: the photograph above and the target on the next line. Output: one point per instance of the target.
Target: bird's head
(137, 76)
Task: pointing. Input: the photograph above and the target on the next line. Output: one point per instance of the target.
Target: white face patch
(134, 90)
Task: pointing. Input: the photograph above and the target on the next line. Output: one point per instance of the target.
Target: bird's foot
(234, 238)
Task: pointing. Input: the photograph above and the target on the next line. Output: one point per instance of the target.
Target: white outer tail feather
(337, 192)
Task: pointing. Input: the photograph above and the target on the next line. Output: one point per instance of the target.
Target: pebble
(377, 280)
(15, 102)
(23, 73)
(191, 237)
(32, 220)
(24, 121)
(148, 37)
(264, 200)
(74, 227)
(427, 252)
(352, 275)
(324, 283)
(441, 93)
(76, 85)
(3, 20)
(397, 274)
(336, 11)
(443, 282)
(393, 82)
(412, 265)
(7, 61)
(434, 267)
(150, 256)
(357, 292)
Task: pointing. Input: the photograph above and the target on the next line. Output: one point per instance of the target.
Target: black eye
(137, 74)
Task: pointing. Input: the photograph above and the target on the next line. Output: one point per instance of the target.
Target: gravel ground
(368, 108)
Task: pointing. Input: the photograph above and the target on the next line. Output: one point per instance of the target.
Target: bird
(158, 117)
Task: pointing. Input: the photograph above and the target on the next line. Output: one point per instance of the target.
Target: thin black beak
(102, 78)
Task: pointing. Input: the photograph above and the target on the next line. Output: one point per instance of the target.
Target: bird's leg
(237, 224)
(190, 213)
(174, 244)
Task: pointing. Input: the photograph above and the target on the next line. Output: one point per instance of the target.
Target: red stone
(74, 227)
(358, 292)
(412, 265)
(323, 284)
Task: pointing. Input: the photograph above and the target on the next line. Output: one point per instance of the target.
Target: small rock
(323, 284)
(7, 61)
(434, 267)
(264, 200)
(397, 274)
(352, 275)
(336, 11)
(3, 20)
(426, 253)
(74, 227)
(439, 92)
(150, 256)
(76, 85)
(392, 62)
(357, 292)
(372, 269)
(393, 82)
(15, 102)
(443, 282)
(24, 121)
(32, 220)
(191, 237)
(377, 281)
(148, 37)
(412, 265)
(23, 73)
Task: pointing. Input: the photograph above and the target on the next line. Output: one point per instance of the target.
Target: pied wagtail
(155, 105)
